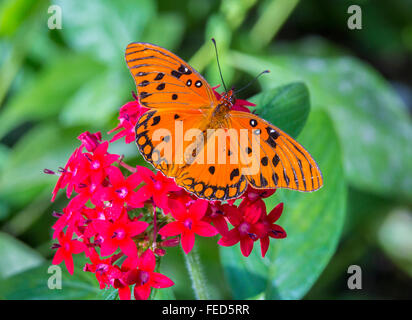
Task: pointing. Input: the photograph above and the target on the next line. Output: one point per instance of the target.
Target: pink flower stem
(125, 165)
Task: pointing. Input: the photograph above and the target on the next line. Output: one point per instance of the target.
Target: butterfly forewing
(283, 162)
(163, 80)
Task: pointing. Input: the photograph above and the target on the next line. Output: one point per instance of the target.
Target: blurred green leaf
(13, 13)
(164, 294)
(313, 222)
(45, 146)
(165, 31)
(96, 101)
(16, 256)
(108, 294)
(395, 237)
(371, 121)
(33, 284)
(105, 28)
(46, 96)
(287, 107)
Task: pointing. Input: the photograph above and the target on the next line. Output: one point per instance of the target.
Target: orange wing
(215, 173)
(163, 80)
(283, 162)
(161, 139)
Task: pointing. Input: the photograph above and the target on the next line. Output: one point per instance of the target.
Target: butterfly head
(228, 99)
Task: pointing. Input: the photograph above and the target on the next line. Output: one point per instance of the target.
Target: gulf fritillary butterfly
(173, 91)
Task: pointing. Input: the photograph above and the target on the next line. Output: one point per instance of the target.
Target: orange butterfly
(179, 97)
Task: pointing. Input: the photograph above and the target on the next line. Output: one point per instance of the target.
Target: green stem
(196, 274)
(272, 18)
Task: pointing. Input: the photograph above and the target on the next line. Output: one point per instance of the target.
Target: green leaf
(15, 256)
(165, 31)
(286, 107)
(105, 28)
(33, 285)
(164, 294)
(45, 146)
(313, 222)
(395, 238)
(92, 105)
(371, 121)
(46, 96)
(13, 13)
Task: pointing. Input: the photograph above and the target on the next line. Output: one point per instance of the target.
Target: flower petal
(142, 292)
(159, 280)
(58, 257)
(229, 239)
(137, 227)
(277, 232)
(264, 245)
(204, 229)
(187, 240)
(276, 212)
(134, 180)
(128, 247)
(108, 247)
(171, 229)
(198, 209)
(68, 261)
(147, 261)
(115, 176)
(246, 246)
(124, 293)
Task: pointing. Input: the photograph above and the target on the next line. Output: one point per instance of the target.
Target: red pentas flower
(68, 174)
(129, 114)
(119, 234)
(66, 248)
(217, 214)
(70, 218)
(144, 278)
(157, 188)
(188, 223)
(96, 163)
(251, 223)
(266, 228)
(121, 191)
(104, 269)
(90, 140)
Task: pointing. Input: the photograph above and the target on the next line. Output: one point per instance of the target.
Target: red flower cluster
(124, 223)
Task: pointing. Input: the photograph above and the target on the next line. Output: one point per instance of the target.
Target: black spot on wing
(156, 120)
(176, 74)
(159, 76)
(234, 173)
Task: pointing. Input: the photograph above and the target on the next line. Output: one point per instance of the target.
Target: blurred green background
(54, 84)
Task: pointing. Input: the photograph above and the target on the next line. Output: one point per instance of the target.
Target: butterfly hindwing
(283, 162)
(184, 158)
(163, 80)
(212, 174)
(157, 132)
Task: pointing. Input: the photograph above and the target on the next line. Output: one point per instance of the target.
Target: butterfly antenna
(218, 64)
(253, 81)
